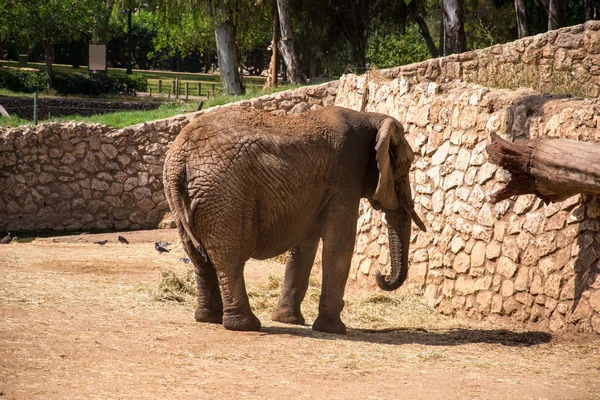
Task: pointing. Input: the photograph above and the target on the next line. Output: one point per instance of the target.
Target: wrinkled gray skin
(243, 184)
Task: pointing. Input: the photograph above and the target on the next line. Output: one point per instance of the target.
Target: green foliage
(489, 22)
(99, 84)
(119, 119)
(18, 80)
(72, 83)
(50, 21)
(189, 33)
(397, 49)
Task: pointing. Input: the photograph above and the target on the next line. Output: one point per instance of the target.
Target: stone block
(464, 285)
(522, 279)
(508, 288)
(461, 262)
(484, 301)
(506, 267)
(553, 285)
(594, 300)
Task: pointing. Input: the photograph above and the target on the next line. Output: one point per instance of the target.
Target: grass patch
(123, 119)
(119, 119)
(251, 93)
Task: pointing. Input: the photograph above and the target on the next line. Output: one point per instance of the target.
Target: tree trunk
(552, 169)
(360, 52)
(441, 47)
(454, 31)
(226, 50)
(588, 6)
(49, 58)
(286, 44)
(521, 11)
(274, 64)
(557, 14)
(423, 30)
(101, 23)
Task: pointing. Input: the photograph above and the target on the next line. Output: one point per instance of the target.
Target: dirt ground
(81, 321)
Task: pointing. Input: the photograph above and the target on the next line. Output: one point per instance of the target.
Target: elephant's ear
(387, 136)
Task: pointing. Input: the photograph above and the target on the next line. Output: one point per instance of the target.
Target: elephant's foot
(329, 325)
(237, 322)
(211, 316)
(287, 316)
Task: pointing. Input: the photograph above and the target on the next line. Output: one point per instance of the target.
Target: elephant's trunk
(399, 225)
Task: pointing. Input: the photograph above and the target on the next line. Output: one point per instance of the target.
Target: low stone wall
(519, 258)
(566, 60)
(57, 107)
(78, 177)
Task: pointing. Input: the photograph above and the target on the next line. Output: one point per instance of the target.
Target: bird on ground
(164, 244)
(101, 242)
(123, 240)
(185, 260)
(160, 248)
(7, 239)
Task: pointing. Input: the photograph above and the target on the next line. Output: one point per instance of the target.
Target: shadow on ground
(398, 336)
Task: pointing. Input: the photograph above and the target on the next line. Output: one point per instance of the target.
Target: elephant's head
(394, 157)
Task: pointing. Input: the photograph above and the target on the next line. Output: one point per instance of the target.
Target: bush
(99, 84)
(18, 80)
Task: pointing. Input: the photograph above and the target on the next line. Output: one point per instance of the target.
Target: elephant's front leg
(237, 315)
(295, 283)
(338, 246)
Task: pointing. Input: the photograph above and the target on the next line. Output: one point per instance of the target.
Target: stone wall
(519, 258)
(561, 61)
(76, 176)
(58, 107)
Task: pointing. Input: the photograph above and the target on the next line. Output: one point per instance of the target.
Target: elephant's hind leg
(237, 315)
(295, 284)
(210, 305)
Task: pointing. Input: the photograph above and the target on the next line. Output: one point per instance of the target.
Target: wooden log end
(518, 184)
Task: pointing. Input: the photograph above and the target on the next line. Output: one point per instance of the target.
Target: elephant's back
(250, 168)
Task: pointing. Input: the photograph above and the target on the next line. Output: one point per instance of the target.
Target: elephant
(243, 183)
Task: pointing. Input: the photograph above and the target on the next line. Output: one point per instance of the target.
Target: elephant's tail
(174, 175)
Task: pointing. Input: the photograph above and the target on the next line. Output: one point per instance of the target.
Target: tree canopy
(329, 37)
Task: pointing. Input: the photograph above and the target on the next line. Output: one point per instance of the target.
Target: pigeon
(123, 240)
(185, 260)
(164, 244)
(160, 248)
(101, 242)
(7, 239)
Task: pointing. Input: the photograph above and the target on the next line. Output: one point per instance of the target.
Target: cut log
(552, 169)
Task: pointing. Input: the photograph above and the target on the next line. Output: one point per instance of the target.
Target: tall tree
(521, 13)
(557, 14)
(591, 9)
(415, 8)
(223, 15)
(454, 31)
(102, 13)
(354, 18)
(226, 48)
(49, 22)
(274, 64)
(286, 44)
